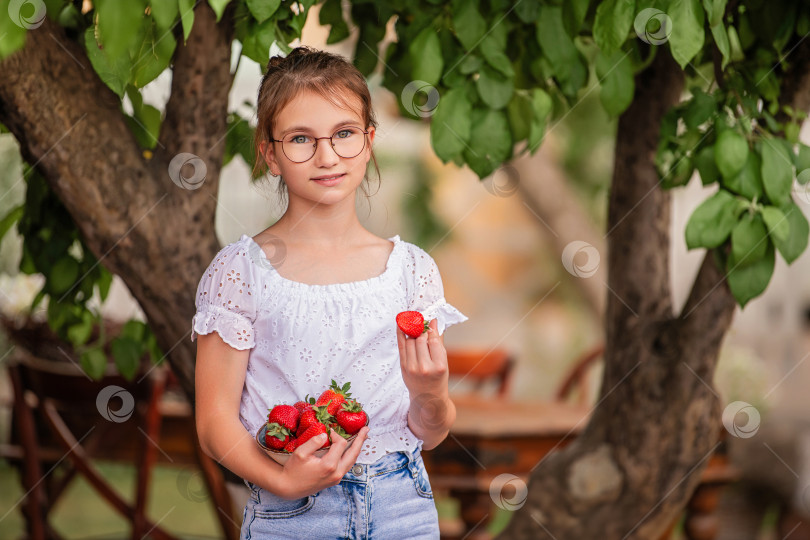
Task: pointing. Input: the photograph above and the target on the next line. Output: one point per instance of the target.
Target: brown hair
(307, 69)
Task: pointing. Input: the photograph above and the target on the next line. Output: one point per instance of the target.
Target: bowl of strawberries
(290, 426)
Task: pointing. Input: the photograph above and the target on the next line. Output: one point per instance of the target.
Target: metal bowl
(281, 457)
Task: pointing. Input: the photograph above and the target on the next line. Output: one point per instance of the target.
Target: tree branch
(639, 209)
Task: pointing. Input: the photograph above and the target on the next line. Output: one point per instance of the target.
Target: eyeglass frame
(331, 144)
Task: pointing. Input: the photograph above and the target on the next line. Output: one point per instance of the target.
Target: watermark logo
(500, 490)
(191, 485)
(653, 26)
(732, 423)
(503, 182)
(581, 259)
(187, 171)
(432, 411)
(121, 414)
(272, 252)
(420, 98)
(28, 14)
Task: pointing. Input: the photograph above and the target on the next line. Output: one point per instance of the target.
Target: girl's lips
(330, 180)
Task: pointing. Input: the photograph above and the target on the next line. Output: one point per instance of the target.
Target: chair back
(480, 369)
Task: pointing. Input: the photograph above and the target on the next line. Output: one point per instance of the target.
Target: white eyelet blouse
(302, 336)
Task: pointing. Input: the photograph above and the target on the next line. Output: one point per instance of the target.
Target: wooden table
(492, 437)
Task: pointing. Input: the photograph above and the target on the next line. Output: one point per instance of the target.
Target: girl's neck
(326, 225)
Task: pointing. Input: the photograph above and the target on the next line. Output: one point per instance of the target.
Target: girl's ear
(371, 132)
(268, 153)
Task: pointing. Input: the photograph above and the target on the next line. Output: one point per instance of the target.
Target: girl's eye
(299, 139)
(344, 133)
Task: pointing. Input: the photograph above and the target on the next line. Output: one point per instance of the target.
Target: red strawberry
(311, 431)
(314, 415)
(304, 404)
(276, 436)
(351, 417)
(334, 397)
(412, 323)
(286, 415)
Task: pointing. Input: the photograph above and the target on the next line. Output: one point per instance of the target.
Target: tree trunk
(157, 237)
(657, 421)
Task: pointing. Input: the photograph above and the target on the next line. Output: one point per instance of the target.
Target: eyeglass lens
(347, 142)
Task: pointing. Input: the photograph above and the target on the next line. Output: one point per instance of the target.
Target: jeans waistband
(392, 461)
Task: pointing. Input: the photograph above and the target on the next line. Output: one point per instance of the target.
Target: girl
(313, 298)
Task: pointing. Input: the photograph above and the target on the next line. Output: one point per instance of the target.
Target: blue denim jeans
(390, 499)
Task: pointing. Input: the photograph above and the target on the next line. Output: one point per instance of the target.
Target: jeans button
(357, 470)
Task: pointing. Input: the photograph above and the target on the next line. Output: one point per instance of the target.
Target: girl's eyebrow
(305, 128)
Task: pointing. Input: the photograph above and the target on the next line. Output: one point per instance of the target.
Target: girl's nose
(325, 155)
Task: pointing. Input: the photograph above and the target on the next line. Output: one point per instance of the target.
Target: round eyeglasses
(347, 142)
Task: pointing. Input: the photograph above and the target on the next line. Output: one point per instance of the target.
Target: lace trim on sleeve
(445, 313)
(234, 328)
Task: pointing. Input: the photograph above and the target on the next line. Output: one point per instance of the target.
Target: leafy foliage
(501, 71)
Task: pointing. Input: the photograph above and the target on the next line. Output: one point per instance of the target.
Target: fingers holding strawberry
(424, 362)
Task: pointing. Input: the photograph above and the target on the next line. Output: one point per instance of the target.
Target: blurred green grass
(178, 501)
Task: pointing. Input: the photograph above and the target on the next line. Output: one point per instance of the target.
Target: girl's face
(325, 178)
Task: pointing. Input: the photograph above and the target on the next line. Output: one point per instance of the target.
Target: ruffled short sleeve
(427, 291)
(227, 298)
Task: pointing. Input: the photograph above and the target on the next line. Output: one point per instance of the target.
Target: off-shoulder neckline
(259, 257)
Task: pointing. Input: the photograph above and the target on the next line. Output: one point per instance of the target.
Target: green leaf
(114, 74)
(104, 282)
(134, 329)
(715, 10)
(559, 49)
(331, 14)
(712, 221)
(613, 21)
(615, 75)
(263, 9)
(802, 162)
(686, 39)
(490, 141)
(796, 241)
(12, 35)
(79, 333)
(239, 140)
(426, 55)
(777, 171)
(527, 10)
(94, 363)
(721, 40)
(699, 110)
(165, 12)
(186, 16)
(127, 353)
(63, 274)
(747, 282)
(573, 12)
(153, 55)
(541, 105)
(496, 57)
(778, 224)
(14, 215)
(747, 182)
(450, 125)
(118, 25)
(706, 166)
(218, 6)
(749, 240)
(468, 24)
(494, 88)
(730, 152)
(520, 114)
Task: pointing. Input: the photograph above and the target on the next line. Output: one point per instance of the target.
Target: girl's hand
(423, 361)
(305, 473)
